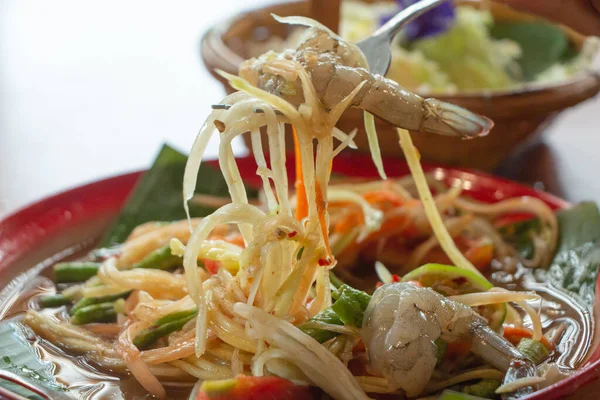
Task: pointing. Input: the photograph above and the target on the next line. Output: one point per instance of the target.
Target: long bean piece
(162, 327)
(103, 312)
(161, 258)
(54, 300)
(73, 272)
(88, 301)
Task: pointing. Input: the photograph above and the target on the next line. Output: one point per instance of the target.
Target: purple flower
(433, 22)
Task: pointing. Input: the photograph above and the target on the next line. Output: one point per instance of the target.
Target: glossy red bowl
(68, 219)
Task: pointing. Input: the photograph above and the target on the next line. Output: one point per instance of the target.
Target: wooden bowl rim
(216, 54)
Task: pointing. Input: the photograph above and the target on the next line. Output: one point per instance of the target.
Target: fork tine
(377, 47)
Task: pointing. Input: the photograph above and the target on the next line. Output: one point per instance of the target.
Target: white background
(90, 89)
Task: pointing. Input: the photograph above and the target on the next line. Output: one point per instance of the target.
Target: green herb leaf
(158, 195)
(575, 265)
(520, 234)
(350, 305)
(543, 44)
(577, 259)
(533, 350)
(327, 316)
(20, 358)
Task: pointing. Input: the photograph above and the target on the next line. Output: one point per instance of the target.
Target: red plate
(58, 222)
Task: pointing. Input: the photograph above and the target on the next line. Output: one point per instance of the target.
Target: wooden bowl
(519, 115)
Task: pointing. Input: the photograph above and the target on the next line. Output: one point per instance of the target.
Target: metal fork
(377, 47)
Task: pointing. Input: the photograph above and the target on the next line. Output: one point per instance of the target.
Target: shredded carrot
(301, 200)
(384, 197)
(480, 256)
(353, 218)
(399, 224)
(456, 351)
(514, 335)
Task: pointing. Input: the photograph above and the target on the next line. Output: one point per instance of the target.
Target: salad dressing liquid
(570, 321)
(567, 323)
(84, 381)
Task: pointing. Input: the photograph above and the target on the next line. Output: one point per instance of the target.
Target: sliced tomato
(254, 388)
(211, 266)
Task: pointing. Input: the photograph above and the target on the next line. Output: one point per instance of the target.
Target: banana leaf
(574, 267)
(158, 195)
(19, 358)
(542, 44)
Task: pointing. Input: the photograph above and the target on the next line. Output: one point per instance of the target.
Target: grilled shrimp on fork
(336, 68)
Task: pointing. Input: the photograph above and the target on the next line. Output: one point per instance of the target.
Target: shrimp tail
(449, 119)
(391, 102)
(493, 348)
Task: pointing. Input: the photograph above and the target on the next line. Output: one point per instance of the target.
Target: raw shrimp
(401, 324)
(337, 68)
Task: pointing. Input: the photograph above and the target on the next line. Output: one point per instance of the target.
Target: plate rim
(50, 213)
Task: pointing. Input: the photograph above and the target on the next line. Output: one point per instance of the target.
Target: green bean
(120, 306)
(54, 300)
(327, 316)
(176, 316)
(103, 312)
(88, 301)
(72, 272)
(162, 327)
(161, 258)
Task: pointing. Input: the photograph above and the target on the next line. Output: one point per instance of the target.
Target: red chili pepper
(461, 280)
(292, 234)
(324, 262)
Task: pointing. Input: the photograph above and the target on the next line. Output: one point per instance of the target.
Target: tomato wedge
(253, 388)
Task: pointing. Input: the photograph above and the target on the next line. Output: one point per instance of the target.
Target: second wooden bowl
(519, 115)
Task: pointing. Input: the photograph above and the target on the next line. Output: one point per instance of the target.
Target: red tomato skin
(260, 388)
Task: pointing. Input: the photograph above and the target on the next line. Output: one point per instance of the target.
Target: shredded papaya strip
(321, 210)
(301, 200)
